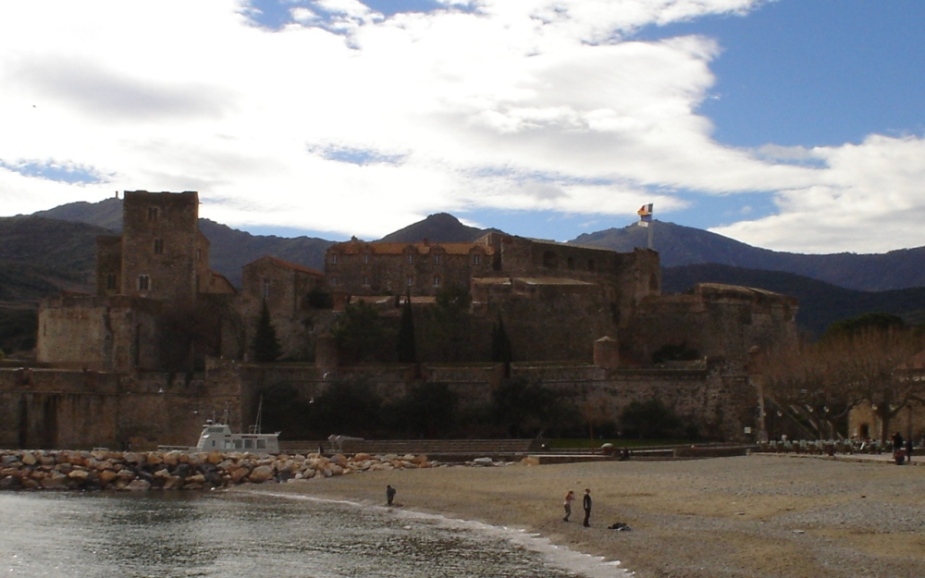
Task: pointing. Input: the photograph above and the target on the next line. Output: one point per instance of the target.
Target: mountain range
(54, 250)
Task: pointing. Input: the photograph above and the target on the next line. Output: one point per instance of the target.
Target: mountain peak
(438, 228)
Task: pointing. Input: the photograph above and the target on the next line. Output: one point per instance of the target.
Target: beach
(749, 516)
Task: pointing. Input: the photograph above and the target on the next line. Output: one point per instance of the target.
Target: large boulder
(138, 486)
(261, 474)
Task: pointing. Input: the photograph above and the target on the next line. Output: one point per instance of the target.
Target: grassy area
(587, 444)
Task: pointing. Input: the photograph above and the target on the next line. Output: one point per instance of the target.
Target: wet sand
(754, 516)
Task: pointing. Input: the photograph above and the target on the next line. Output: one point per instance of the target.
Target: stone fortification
(153, 274)
(360, 268)
(163, 254)
(177, 470)
(712, 320)
(55, 409)
(99, 333)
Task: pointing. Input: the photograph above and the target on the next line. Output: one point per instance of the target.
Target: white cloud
(488, 104)
(867, 199)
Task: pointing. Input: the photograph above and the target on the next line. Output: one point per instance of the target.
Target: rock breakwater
(177, 470)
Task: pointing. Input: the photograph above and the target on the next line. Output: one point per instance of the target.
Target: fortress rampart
(75, 409)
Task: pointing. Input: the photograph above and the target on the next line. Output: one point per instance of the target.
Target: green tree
(501, 344)
(285, 411)
(451, 317)
(266, 345)
(346, 407)
(318, 298)
(855, 325)
(650, 419)
(428, 410)
(360, 335)
(407, 347)
(525, 408)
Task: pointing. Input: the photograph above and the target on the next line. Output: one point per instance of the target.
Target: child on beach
(569, 498)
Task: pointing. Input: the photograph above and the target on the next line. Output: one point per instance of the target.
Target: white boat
(219, 437)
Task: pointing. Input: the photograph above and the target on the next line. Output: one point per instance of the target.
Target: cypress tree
(501, 344)
(266, 345)
(407, 347)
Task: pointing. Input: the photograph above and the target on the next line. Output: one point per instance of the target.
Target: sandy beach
(754, 516)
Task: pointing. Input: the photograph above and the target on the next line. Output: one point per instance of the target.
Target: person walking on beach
(569, 498)
(389, 494)
(586, 503)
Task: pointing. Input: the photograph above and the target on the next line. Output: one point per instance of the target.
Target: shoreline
(752, 516)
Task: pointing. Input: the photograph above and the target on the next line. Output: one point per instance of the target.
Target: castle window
(437, 259)
(410, 258)
(158, 246)
(334, 259)
(436, 280)
(549, 260)
(333, 280)
(266, 288)
(366, 281)
(409, 281)
(144, 282)
(366, 257)
(476, 259)
(152, 214)
(199, 254)
(110, 281)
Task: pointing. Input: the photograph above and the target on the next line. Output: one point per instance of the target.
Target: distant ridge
(106, 213)
(55, 250)
(678, 245)
(230, 249)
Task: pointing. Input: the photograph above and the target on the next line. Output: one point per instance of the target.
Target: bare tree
(845, 369)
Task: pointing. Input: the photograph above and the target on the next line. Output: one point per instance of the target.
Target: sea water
(219, 534)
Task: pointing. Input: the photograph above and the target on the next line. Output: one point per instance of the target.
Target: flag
(645, 213)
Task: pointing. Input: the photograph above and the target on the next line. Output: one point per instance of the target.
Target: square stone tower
(163, 254)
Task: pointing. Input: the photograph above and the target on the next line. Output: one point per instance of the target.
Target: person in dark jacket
(586, 503)
(389, 494)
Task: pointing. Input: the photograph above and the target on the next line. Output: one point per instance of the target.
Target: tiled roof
(359, 248)
(289, 265)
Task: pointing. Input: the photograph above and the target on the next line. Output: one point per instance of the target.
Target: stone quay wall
(176, 470)
(65, 409)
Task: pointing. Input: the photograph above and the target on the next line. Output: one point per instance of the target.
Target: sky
(793, 125)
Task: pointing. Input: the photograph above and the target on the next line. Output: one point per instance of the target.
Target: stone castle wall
(361, 268)
(58, 409)
(714, 320)
(82, 409)
(110, 334)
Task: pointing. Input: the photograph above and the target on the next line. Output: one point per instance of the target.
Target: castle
(166, 329)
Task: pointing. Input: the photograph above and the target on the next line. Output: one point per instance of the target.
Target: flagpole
(646, 220)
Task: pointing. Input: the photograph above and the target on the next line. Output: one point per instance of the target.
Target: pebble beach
(750, 516)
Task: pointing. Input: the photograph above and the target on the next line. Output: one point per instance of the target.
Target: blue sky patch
(74, 175)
